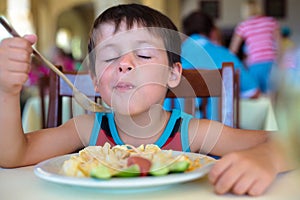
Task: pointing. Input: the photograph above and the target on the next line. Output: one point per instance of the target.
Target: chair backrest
(59, 90)
(43, 85)
(222, 83)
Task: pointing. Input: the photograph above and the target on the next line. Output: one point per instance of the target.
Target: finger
(21, 67)
(255, 190)
(20, 55)
(222, 165)
(32, 38)
(244, 183)
(15, 60)
(227, 180)
(9, 51)
(260, 186)
(18, 43)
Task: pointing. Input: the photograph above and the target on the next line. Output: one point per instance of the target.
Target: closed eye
(144, 57)
(111, 59)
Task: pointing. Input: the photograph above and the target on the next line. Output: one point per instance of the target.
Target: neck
(144, 128)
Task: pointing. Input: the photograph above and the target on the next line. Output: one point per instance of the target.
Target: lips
(123, 86)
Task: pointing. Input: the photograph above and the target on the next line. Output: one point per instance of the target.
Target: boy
(134, 58)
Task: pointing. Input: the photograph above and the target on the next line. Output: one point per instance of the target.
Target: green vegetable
(132, 171)
(100, 172)
(158, 170)
(103, 172)
(180, 166)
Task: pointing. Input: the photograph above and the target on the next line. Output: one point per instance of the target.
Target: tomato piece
(143, 163)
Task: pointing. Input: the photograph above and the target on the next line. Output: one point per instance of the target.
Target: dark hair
(142, 15)
(285, 31)
(198, 23)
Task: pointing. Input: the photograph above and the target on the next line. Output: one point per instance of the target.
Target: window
(210, 7)
(19, 15)
(275, 8)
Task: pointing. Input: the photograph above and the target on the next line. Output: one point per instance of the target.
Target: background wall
(49, 15)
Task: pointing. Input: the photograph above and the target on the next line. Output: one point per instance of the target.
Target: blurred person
(288, 63)
(289, 53)
(216, 36)
(290, 59)
(200, 51)
(286, 43)
(64, 59)
(261, 36)
(38, 69)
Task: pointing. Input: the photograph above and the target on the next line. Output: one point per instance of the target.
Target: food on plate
(104, 162)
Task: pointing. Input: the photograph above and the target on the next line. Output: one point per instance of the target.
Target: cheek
(103, 83)
(153, 75)
(151, 94)
(101, 69)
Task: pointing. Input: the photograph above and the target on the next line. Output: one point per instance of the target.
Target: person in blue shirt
(199, 51)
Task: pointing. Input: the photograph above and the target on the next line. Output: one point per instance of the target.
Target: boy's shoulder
(84, 125)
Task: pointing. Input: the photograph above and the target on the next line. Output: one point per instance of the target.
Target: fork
(81, 98)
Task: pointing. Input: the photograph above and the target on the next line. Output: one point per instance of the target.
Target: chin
(130, 111)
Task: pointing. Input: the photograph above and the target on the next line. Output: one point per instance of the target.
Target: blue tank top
(175, 135)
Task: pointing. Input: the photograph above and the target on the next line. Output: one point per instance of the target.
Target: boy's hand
(15, 62)
(246, 172)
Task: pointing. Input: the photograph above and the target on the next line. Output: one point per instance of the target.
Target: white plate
(50, 170)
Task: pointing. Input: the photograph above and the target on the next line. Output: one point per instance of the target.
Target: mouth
(124, 86)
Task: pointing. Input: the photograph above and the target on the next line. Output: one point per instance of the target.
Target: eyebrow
(150, 42)
(107, 45)
(139, 42)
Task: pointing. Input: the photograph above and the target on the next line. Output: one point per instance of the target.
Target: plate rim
(121, 183)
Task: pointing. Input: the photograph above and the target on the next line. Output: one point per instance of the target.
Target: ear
(95, 82)
(175, 75)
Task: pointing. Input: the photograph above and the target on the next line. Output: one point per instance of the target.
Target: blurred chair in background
(223, 84)
(61, 103)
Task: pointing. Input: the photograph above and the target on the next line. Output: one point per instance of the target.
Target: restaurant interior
(67, 23)
(63, 28)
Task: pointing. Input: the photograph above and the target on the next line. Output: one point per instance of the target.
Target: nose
(126, 63)
(125, 68)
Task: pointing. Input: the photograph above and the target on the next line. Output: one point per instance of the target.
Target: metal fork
(81, 98)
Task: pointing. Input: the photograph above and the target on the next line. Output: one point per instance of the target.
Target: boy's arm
(19, 149)
(208, 136)
(250, 171)
(14, 67)
(250, 160)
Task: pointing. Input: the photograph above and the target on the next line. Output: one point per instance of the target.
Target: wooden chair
(194, 83)
(222, 83)
(59, 90)
(43, 85)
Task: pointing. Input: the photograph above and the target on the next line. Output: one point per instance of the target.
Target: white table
(32, 115)
(21, 183)
(257, 114)
(254, 114)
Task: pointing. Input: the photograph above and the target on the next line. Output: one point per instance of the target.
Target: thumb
(32, 38)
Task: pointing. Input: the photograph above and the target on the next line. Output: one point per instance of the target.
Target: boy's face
(132, 69)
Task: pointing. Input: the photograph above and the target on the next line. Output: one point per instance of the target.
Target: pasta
(125, 161)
